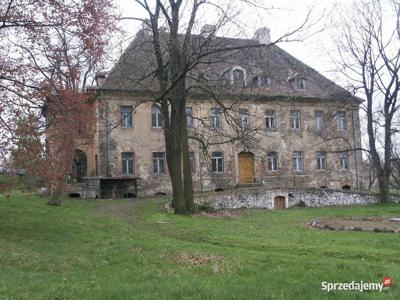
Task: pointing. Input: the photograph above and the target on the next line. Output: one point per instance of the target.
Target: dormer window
(263, 81)
(299, 83)
(238, 77)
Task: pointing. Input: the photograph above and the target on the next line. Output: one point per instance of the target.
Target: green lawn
(108, 249)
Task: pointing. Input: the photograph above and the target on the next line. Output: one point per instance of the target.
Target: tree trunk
(55, 197)
(187, 172)
(383, 181)
(173, 145)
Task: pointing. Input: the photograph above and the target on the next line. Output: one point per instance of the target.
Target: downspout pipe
(107, 141)
(355, 149)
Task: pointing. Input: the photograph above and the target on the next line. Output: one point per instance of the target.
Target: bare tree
(369, 49)
(180, 58)
(395, 176)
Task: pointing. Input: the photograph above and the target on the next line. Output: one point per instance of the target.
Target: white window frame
(217, 160)
(344, 161)
(215, 118)
(238, 68)
(128, 158)
(126, 116)
(244, 118)
(156, 112)
(272, 161)
(295, 116)
(341, 119)
(299, 83)
(159, 163)
(189, 117)
(298, 161)
(260, 81)
(270, 119)
(319, 120)
(321, 160)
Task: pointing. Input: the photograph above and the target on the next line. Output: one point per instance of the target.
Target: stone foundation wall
(261, 197)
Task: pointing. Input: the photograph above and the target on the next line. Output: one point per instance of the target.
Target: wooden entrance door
(246, 167)
(279, 202)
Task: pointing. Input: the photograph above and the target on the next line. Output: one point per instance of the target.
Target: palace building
(256, 115)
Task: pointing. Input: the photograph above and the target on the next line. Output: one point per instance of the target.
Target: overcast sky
(282, 17)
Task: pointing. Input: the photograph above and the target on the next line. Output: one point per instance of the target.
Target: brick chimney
(208, 30)
(263, 35)
(100, 78)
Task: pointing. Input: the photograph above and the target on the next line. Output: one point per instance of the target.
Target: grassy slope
(75, 252)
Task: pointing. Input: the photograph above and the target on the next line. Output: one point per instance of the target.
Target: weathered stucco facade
(104, 157)
(313, 140)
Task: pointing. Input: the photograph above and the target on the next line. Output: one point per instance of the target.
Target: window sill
(271, 129)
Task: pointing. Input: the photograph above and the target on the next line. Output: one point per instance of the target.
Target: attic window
(238, 77)
(299, 83)
(263, 81)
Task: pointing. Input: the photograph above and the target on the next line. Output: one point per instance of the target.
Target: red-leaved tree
(49, 53)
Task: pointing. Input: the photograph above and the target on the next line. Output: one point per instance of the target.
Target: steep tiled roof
(135, 69)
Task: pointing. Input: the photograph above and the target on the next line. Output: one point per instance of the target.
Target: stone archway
(79, 167)
(246, 167)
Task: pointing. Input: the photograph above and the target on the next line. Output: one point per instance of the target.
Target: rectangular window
(270, 119)
(319, 120)
(159, 162)
(127, 162)
(215, 118)
(156, 117)
(217, 160)
(189, 117)
(192, 162)
(341, 118)
(272, 161)
(344, 161)
(295, 115)
(263, 81)
(298, 161)
(321, 160)
(238, 78)
(299, 83)
(244, 118)
(126, 116)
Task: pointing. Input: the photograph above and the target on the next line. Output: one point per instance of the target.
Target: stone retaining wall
(262, 197)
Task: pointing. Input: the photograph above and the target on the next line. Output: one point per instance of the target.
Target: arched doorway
(279, 202)
(79, 167)
(246, 167)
